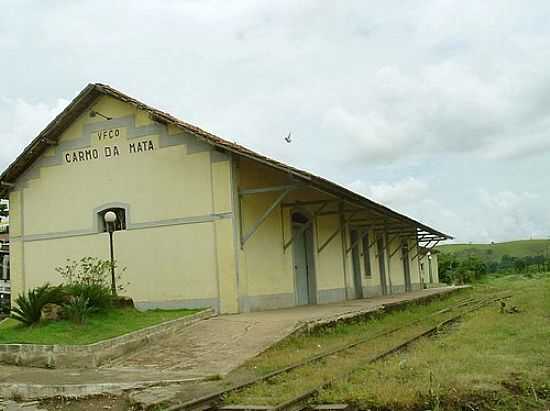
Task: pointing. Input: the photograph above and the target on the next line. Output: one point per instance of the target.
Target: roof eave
(54, 129)
(40, 143)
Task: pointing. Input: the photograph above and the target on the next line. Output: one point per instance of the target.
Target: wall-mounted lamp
(94, 113)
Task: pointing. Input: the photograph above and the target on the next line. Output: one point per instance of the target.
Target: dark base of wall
(273, 301)
(178, 304)
(267, 302)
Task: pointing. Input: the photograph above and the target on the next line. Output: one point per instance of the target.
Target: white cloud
(21, 121)
(399, 194)
(454, 92)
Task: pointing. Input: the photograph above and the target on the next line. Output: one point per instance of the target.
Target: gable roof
(91, 92)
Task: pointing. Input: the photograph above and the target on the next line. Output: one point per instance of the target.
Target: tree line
(453, 269)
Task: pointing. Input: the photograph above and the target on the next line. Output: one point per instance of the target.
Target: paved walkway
(210, 347)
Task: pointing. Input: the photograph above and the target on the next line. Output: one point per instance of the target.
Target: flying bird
(288, 138)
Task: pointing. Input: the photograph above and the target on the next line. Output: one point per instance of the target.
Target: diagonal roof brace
(271, 189)
(264, 217)
(333, 235)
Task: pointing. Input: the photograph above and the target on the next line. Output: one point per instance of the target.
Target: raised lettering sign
(108, 151)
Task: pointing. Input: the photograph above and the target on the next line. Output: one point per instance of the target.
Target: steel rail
(300, 402)
(211, 400)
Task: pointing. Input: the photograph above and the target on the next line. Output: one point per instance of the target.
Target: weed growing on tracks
(490, 361)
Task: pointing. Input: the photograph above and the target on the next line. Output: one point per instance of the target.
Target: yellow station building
(201, 221)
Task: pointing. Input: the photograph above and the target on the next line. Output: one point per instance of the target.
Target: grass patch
(489, 361)
(99, 326)
(300, 347)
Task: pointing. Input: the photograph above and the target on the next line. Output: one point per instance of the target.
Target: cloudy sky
(439, 109)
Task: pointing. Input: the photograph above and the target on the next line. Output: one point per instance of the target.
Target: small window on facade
(366, 255)
(120, 223)
(299, 218)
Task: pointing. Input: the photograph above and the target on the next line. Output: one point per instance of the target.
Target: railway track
(301, 401)
(215, 400)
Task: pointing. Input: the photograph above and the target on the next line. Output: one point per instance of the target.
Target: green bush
(77, 309)
(29, 306)
(98, 296)
(90, 279)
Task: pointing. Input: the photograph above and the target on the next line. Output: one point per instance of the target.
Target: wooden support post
(363, 235)
(373, 240)
(343, 224)
(388, 247)
(417, 252)
(333, 235)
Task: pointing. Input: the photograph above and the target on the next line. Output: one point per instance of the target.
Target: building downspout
(236, 225)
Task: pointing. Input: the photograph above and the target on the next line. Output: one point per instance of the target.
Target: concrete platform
(212, 347)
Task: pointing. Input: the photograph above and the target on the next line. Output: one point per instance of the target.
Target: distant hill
(494, 252)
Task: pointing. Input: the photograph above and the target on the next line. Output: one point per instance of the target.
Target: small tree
(448, 263)
(89, 279)
(520, 265)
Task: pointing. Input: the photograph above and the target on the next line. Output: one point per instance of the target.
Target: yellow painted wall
(179, 246)
(266, 270)
(330, 272)
(182, 245)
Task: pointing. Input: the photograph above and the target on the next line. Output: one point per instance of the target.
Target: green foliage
(90, 279)
(488, 361)
(78, 309)
(453, 270)
(3, 210)
(29, 306)
(87, 270)
(86, 288)
(460, 263)
(98, 296)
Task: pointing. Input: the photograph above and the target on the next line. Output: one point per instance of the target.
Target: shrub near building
(85, 289)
